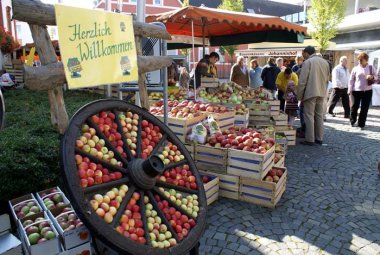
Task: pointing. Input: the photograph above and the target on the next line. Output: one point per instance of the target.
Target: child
(291, 105)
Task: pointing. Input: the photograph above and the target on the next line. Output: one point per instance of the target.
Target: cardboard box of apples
(39, 235)
(24, 206)
(51, 198)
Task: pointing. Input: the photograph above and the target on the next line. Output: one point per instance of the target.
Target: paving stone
(220, 236)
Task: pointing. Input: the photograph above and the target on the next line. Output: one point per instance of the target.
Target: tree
(185, 3)
(231, 5)
(325, 16)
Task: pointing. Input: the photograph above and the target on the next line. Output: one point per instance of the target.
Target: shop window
(157, 2)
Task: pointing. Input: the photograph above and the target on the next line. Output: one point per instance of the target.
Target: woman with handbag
(360, 89)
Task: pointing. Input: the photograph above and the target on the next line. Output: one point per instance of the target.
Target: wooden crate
(211, 188)
(229, 185)
(259, 110)
(250, 164)
(262, 192)
(274, 107)
(182, 127)
(281, 119)
(290, 136)
(211, 159)
(224, 120)
(281, 162)
(284, 148)
(242, 120)
(190, 148)
(209, 82)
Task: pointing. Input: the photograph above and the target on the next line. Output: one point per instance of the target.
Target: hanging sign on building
(268, 53)
(97, 47)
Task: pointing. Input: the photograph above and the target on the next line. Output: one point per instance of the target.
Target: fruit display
(171, 154)
(131, 224)
(155, 96)
(52, 198)
(277, 158)
(246, 139)
(185, 201)
(39, 230)
(158, 231)
(107, 205)
(241, 109)
(119, 192)
(89, 142)
(274, 175)
(26, 208)
(180, 222)
(92, 174)
(179, 176)
(68, 220)
(279, 148)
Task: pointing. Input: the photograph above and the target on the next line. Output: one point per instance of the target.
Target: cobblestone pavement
(331, 204)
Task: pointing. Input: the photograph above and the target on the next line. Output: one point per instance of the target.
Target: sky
(77, 3)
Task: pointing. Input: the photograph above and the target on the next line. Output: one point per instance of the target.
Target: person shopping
(282, 81)
(206, 68)
(291, 106)
(340, 78)
(312, 91)
(255, 80)
(360, 88)
(239, 73)
(269, 75)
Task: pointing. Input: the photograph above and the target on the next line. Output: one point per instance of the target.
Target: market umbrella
(223, 27)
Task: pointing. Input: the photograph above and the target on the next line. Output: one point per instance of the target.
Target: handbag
(370, 82)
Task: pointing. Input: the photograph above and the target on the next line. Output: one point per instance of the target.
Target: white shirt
(340, 77)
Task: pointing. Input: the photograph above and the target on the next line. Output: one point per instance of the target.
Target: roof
(259, 6)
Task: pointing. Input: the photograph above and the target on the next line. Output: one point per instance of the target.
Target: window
(200, 55)
(302, 16)
(251, 10)
(18, 28)
(157, 2)
(289, 18)
(295, 17)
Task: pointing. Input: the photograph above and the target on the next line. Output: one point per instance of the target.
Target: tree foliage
(185, 3)
(231, 5)
(325, 16)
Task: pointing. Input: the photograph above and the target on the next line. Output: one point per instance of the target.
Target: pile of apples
(107, 125)
(129, 122)
(155, 96)
(107, 205)
(245, 139)
(188, 203)
(68, 220)
(38, 230)
(241, 109)
(90, 143)
(213, 108)
(178, 221)
(92, 174)
(180, 176)
(279, 148)
(26, 208)
(159, 234)
(277, 157)
(171, 154)
(274, 175)
(150, 135)
(131, 224)
(52, 199)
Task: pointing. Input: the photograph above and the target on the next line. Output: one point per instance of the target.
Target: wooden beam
(38, 13)
(45, 49)
(44, 77)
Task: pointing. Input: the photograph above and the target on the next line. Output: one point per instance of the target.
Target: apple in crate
(38, 231)
(26, 209)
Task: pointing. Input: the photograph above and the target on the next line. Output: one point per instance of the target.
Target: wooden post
(46, 52)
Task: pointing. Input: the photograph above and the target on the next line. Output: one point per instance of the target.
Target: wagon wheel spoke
(107, 142)
(161, 214)
(143, 216)
(122, 206)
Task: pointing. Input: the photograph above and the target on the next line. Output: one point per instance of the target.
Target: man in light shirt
(340, 79)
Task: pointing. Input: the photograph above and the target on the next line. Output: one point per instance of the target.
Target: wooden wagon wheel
(2, 111)
(115, 154)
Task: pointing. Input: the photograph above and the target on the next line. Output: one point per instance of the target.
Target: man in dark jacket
(269, 75)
